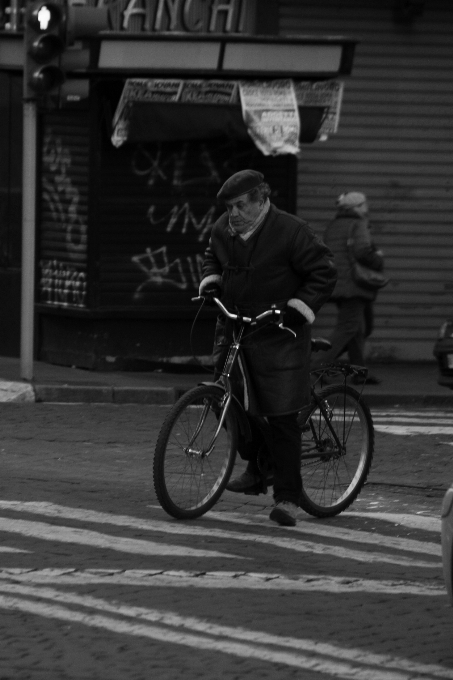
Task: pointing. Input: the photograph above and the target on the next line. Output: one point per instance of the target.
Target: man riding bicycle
(259, 256)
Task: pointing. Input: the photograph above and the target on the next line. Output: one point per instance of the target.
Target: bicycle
(196, 447)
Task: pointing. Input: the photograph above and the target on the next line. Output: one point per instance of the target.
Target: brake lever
(285, 328)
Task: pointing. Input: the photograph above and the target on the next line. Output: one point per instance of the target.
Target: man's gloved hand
(212, 290)
(211, 281)
(297, 313)
(291, 317)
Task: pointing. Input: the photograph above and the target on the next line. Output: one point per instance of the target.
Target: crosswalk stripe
(300, 653)
(222, 580)
(52, 532)
(338, 533)
(414, 429)
(403, 519)
(310, 525)
(412, 420)
(302, 546)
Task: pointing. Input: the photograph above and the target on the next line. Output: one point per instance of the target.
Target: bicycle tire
(332, 481)
(187, 482)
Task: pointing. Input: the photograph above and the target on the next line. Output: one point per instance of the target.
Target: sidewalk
(410, 384)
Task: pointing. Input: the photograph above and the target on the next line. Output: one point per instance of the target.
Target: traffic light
(45, 36)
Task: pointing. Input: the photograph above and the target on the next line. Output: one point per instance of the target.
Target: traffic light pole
(50, 26)
(28, 239)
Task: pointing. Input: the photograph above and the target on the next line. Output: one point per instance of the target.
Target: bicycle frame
(224, 381)
(202, 433)
(322, 408)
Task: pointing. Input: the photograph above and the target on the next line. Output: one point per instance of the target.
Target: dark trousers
(354, 323)
(285, 456)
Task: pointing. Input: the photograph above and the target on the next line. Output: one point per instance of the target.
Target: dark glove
(292, 318)
(211, 291)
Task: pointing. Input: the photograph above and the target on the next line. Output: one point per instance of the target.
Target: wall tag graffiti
(62, 284)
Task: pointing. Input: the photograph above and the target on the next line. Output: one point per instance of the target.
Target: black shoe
(245, 482)
(248, 483)
(284, 513)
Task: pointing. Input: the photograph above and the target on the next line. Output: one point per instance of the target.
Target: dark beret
(240, 183)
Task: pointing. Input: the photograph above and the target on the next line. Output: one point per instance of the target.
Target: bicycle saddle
(320, 344)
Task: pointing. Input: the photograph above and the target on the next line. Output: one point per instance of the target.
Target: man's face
(243, 212)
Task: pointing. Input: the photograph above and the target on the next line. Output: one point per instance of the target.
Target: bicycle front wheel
(337, 450)
(194, 458)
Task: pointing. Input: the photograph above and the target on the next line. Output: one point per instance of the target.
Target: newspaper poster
(210, 92)
(326, 93)
(142, 90)
(271, 115)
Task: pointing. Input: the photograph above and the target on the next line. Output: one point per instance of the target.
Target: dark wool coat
(283, 259)
(336, 237)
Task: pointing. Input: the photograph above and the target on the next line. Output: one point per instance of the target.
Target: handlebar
(249, 319)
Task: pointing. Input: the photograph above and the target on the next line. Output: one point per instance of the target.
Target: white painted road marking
(357, 664)
(274, 539)
(28, 590)
(410, 430)
(334, 531)
(404, 519)
(52, 532)
(221, 580)
(409, 423)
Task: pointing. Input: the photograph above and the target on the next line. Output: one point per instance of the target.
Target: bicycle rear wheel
(191, 464)
(333, 478)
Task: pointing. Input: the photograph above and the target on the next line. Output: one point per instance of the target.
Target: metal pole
(28, 240)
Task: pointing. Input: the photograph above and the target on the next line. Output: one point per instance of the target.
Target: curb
(20, 392)
(16, 392)
(169, 395)
(105, 395)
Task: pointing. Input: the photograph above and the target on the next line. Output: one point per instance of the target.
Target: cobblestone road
(96, 582)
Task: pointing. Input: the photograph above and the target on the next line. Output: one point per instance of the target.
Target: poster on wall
(271, 115)
(326, 93)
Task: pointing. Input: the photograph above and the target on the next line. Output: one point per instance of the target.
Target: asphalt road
(97, 583)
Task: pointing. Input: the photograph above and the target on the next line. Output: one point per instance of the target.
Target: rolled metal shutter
(63, 194)
(395, 143)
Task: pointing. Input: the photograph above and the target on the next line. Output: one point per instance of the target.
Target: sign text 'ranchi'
(189, 16)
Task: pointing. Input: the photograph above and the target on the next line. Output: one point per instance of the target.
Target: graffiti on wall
(61, 284)
(183, 218)
(174, 168)
(159, 270)
(62, 196)
(63, 229)
(180, 223)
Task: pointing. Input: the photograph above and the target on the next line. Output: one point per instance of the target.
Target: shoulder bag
(364, 276)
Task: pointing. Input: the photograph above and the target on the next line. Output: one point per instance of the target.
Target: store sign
(187, 16)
